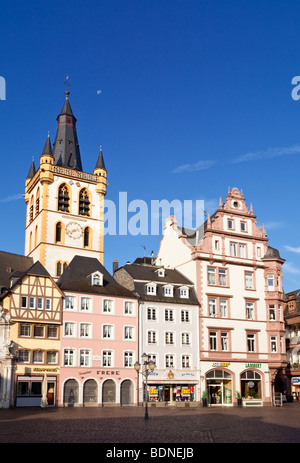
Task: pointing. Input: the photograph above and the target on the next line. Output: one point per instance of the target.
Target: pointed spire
(32, 170)
(100, 162)
(47, 148)
(66, 147)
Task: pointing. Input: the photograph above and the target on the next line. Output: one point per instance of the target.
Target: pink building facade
(99, 338)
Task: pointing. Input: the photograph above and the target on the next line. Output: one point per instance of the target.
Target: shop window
(70, 392)
(109, 391)
(251, 385)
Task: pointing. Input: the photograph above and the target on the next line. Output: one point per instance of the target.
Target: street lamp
(147, 367)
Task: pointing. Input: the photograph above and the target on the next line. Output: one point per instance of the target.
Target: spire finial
(67, 93)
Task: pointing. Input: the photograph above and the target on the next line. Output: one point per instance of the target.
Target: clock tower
(65, 205)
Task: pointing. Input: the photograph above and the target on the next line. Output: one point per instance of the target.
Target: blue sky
(186, 98)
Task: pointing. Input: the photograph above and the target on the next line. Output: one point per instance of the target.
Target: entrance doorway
(215, 394)
(51, 393)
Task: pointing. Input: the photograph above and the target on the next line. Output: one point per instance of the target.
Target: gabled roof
(147, 273)
(12, 265)
(77, 277)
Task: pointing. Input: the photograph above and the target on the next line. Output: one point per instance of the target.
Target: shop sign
(153, 391)
(295, 380)
(221, 364)
(185, 391)
(46, 370)
(253, 365)
(108, 372)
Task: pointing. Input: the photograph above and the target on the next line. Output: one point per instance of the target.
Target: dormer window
(151, 289)
(168, 291)
(184, 292)
(97, 279)
(161, 272)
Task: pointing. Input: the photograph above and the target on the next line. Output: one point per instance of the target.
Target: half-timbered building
(34, 304)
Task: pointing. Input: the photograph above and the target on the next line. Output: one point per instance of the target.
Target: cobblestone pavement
(113, 425)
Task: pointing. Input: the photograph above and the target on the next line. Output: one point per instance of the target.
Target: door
(51, 393)
(215, 394)
(167, 394)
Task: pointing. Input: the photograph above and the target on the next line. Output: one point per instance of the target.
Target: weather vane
(67, 85)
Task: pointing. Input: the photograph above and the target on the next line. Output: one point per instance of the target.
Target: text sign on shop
(221, 364)
(253, 365)
(295, 380)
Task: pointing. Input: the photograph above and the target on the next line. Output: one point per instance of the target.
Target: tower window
(86, 237)
(84, 202)
(63, 198)
(58, 232)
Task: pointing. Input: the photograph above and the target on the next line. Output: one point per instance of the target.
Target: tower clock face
(74, 230)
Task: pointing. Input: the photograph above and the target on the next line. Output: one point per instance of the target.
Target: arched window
(37, 202)
(36, 236)
(86, 237)
(31, 209)
(84, 202)
(58, 229)
(63, 198)
(58, 269)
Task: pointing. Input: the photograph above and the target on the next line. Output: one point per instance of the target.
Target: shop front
(173, 387)
(31, 389)
(295, 383)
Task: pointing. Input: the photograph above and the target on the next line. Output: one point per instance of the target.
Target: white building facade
(239, 286)
(168, 332)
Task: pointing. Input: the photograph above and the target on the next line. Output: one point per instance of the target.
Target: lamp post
(147, 367)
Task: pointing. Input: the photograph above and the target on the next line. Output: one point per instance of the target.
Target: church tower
(65, 205)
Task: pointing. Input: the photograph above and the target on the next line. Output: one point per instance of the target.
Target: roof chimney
(115, 265)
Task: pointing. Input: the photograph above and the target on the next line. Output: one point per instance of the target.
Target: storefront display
(171, 393)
